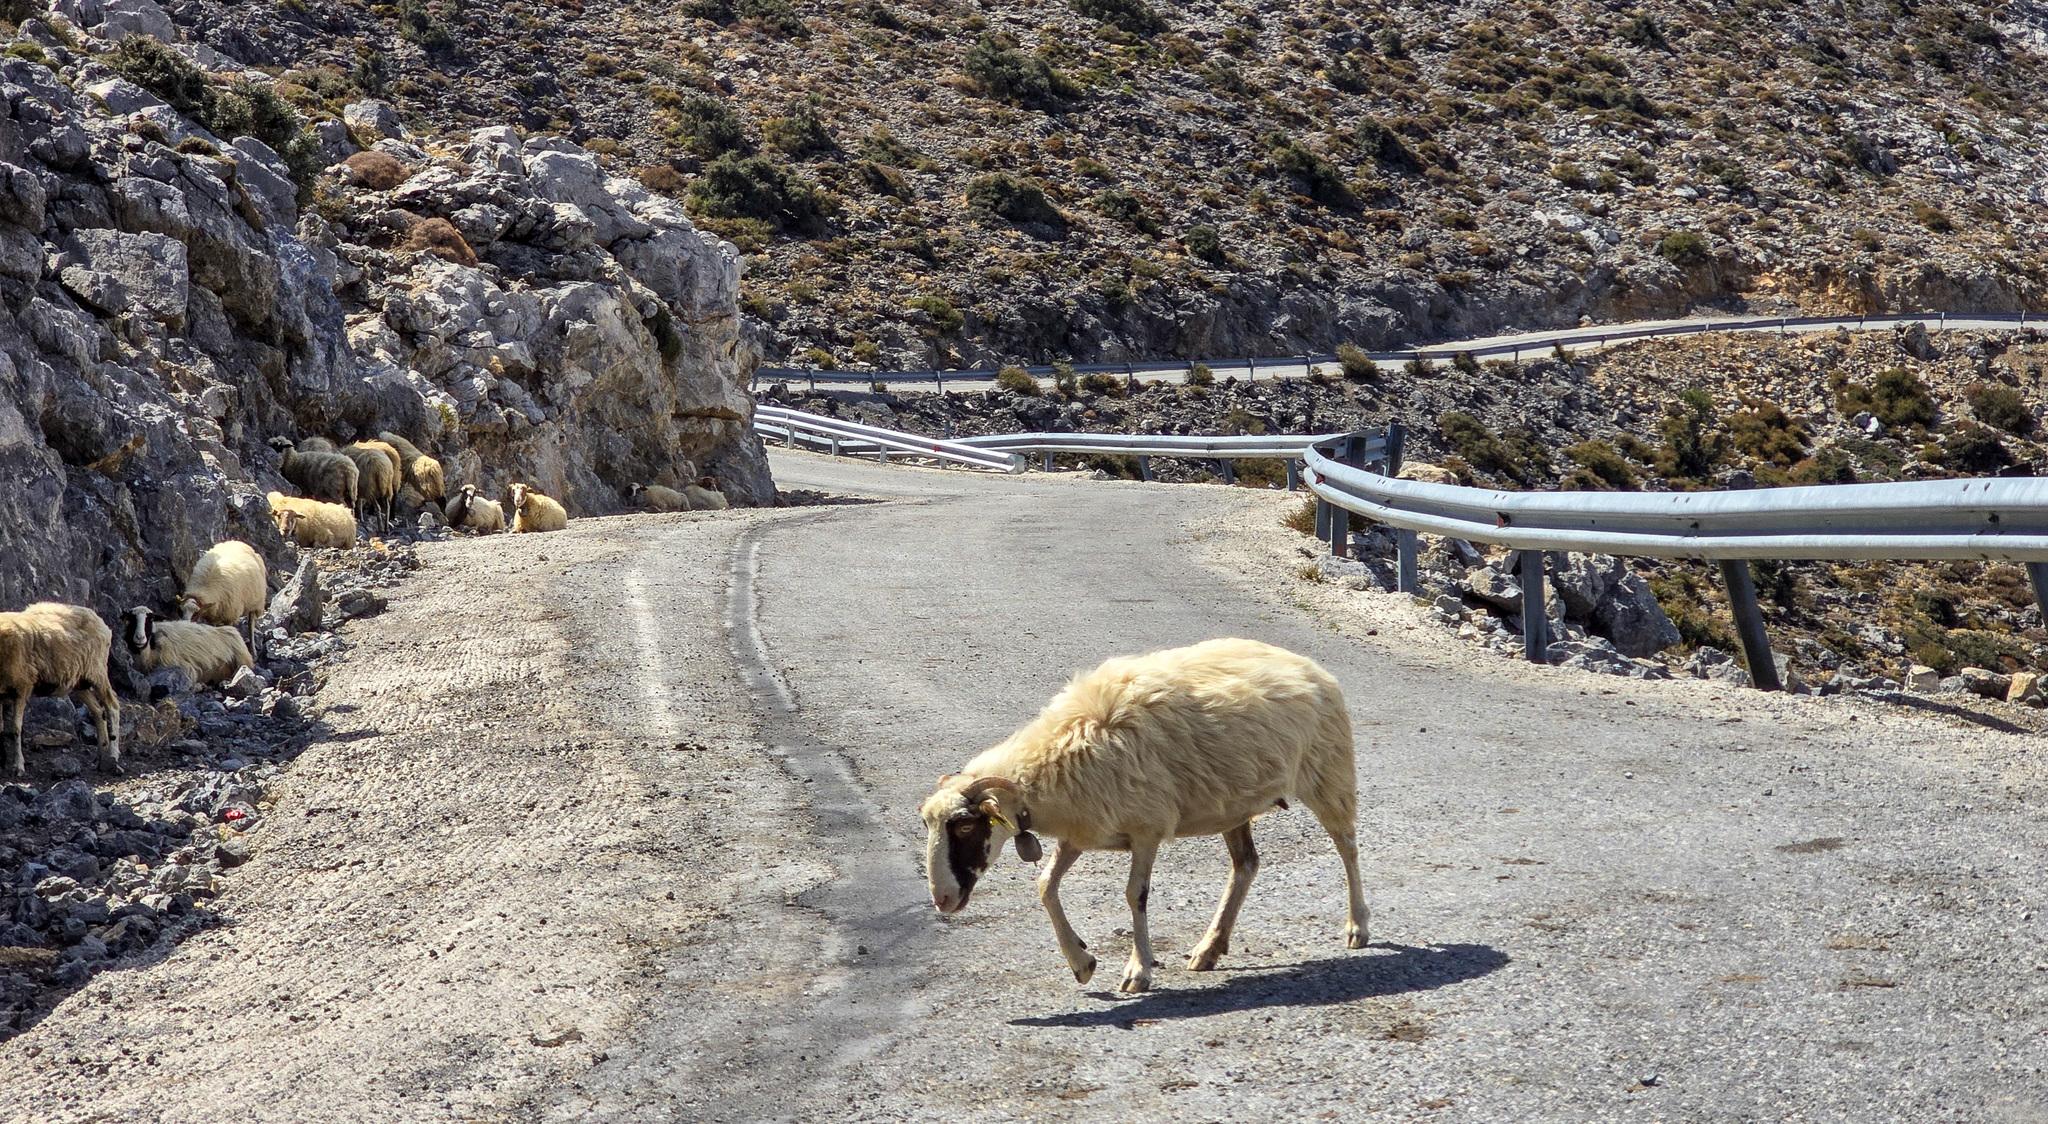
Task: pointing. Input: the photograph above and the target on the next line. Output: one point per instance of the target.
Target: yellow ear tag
(996, 814)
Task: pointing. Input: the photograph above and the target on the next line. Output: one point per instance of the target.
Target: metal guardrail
(1492, 347)
(2002, 519)
(795, 425)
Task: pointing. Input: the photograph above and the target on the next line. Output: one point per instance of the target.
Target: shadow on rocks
(1314, 983)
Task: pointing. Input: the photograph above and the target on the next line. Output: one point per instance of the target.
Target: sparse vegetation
(1357, 365)
(1018, 200)
(1017, 380)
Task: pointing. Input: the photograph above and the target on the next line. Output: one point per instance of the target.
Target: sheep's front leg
(16, 765)
(1138, 891)
(1072, 947)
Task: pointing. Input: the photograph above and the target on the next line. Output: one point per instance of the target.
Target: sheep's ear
(1028, 848)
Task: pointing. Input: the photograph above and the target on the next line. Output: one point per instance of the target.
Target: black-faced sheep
(467, 509)
(1192, 741)
(312, 523)
(229, 585)
(208, 653)
(421, 471)
(377, 465)
(53, 649)
(533, 512)
(323, 476)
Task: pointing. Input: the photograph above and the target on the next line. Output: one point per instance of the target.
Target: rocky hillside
(182, 282)
(919, 182)
(1711, 411)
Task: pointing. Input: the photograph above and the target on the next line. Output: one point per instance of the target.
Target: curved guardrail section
(2002, 519)
(1490, 347)
(838, 434)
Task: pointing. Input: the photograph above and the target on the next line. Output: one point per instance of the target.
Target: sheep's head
(287, 522)
(967, 820)
(136, 628)
(518, 496)
(188, 607)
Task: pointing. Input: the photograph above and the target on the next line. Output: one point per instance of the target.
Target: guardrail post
(1535, 614)
(835, 444)
(882, 455)
(1749, 624)
(1293, 476)
(1397, 435)
(1229, 474)
(1408, 547)
(1323, 518)
(1048, 460)
(1145, 469)
(2038, 573)
(792, 436)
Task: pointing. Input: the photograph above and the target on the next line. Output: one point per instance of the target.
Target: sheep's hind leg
(105, 708)
(1138, 892)
(16, 765)
(1244, 866)
(1072, 947)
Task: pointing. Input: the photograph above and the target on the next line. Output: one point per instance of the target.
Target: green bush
(1104, 384)
(1418, 367)
(1683, 595)
(1829, 464)
(1134, 16)
(1201, 375)
(1017, 380)
(424, 23)
(775, 17)
(882, 147)
(244, 108)
(1479, 446)
(1974, 448)
(945, 317)
(1896, 397)
(1125, 208)
(1386, 148)
(1999, 405)
(1000, 193)
(1683, 247)
(739, 187)
(1641, 30)
(162, 71)
(798, 132)
(1604, 464)
(1203, 242)
(1465, 362)
(1320, 178)
(1357, 365)
(1004, 73)
(1064, 379)
(1692, 448)
(707, 127)
(1767, 433)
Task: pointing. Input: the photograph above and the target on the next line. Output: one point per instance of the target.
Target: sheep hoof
(1205, 959)
(1135, 981)
(1354, 937)
(1085, 971)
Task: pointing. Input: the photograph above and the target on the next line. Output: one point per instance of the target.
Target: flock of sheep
(62, 650)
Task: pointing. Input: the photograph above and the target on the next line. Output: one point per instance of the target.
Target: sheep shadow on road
(1336, 979)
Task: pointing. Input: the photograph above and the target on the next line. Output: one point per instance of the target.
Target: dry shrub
(377, 171)
(664, 179)
(440, 238)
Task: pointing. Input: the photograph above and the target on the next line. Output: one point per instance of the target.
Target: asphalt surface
(695, 746)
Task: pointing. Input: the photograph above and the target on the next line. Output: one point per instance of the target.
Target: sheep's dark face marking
(964, 839)
(136, 628)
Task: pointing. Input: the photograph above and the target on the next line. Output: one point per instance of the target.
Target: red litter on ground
(233, 814)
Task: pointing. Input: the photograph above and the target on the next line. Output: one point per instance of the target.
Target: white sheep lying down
(208, 653)
(1191, 741)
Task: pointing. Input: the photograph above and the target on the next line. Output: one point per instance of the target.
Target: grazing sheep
(208, 653)
(1192, 741)
(654, 497)
(467, 509)
(229, 585)
(323, 476)
(50, 649)
(532, 512)
(316, 445)
(378, 465)
(312, 523)
(421, 471)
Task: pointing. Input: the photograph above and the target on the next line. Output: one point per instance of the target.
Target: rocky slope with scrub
(184, 279)
(922, 183)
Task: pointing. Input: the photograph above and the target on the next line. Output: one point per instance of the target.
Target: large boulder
(1601, 592)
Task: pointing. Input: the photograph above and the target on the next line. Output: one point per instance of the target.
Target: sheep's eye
(964, 828)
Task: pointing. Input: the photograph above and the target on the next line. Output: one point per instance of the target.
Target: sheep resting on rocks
(229, 585)
(312, 523)
(323, 476)
(1191, 741)
(208, 653)
(532, 511)
(52, 649)
(467, 509)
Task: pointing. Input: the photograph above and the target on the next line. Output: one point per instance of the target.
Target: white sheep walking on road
(1191, 741)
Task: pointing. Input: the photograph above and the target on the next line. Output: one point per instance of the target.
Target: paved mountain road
(696, 746)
